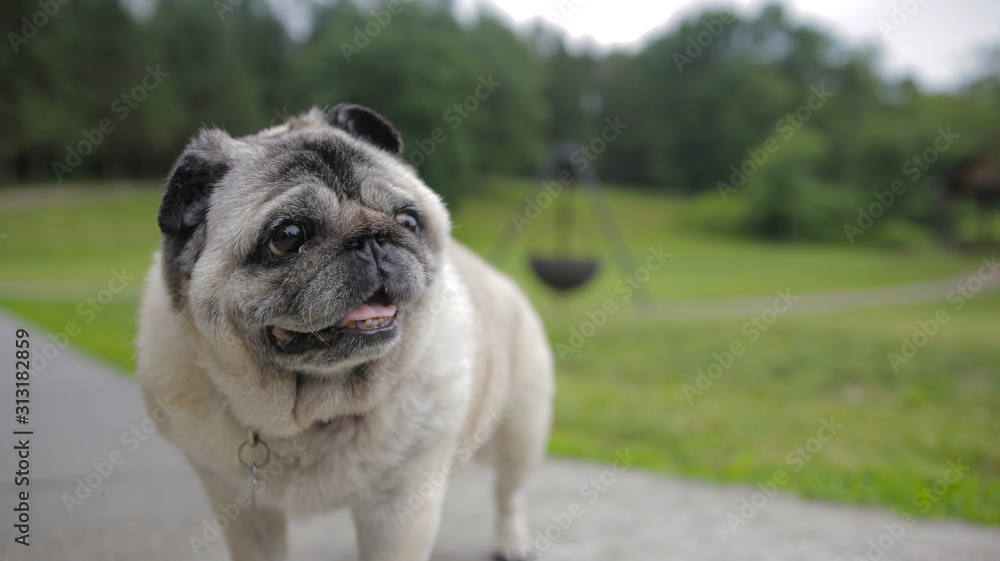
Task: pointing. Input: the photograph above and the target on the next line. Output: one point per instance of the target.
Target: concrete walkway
(146, 508)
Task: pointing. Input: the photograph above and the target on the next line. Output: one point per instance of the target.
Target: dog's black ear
(366, 124)
(183, 209)
(195, 173)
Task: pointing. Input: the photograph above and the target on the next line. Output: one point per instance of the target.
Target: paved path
(146, 509)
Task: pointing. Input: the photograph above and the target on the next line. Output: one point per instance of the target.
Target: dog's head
(306, 246)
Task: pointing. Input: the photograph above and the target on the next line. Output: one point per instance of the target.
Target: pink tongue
(367, 311)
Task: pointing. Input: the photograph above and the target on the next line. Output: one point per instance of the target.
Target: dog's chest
(338, 463)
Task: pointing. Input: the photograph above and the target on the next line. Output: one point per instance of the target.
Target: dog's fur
(369, 427)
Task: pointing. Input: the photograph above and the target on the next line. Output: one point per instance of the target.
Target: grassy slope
(623, 387)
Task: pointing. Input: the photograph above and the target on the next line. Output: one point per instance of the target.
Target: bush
(796, 206)
(788, 199)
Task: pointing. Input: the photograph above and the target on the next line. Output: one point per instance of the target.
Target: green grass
(74, 248)
(623, 388)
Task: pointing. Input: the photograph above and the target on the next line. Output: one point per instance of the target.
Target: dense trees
(781, 122)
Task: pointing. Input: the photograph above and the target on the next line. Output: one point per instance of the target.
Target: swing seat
(564, 273)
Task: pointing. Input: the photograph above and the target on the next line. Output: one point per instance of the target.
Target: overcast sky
(939, 43)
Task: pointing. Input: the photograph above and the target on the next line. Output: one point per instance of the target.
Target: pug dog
(324, 343)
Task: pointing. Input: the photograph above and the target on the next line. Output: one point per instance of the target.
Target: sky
(940, 43)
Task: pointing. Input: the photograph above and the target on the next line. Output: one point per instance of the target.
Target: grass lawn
(624, 387)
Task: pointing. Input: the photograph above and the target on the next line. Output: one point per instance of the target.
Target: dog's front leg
(252, 534)
(400, 525)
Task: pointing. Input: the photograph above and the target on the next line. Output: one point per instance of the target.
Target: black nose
(370, 248)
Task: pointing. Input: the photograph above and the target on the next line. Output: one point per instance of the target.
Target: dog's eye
(288, 238)
(408, 220)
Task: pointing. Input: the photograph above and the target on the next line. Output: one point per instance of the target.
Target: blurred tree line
(780, 130)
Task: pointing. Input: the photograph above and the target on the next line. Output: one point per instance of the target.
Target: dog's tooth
(352, 323)
(368, 323)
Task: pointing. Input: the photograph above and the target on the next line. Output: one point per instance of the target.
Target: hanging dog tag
(253, 441)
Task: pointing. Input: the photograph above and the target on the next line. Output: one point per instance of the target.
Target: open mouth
(373, 316)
